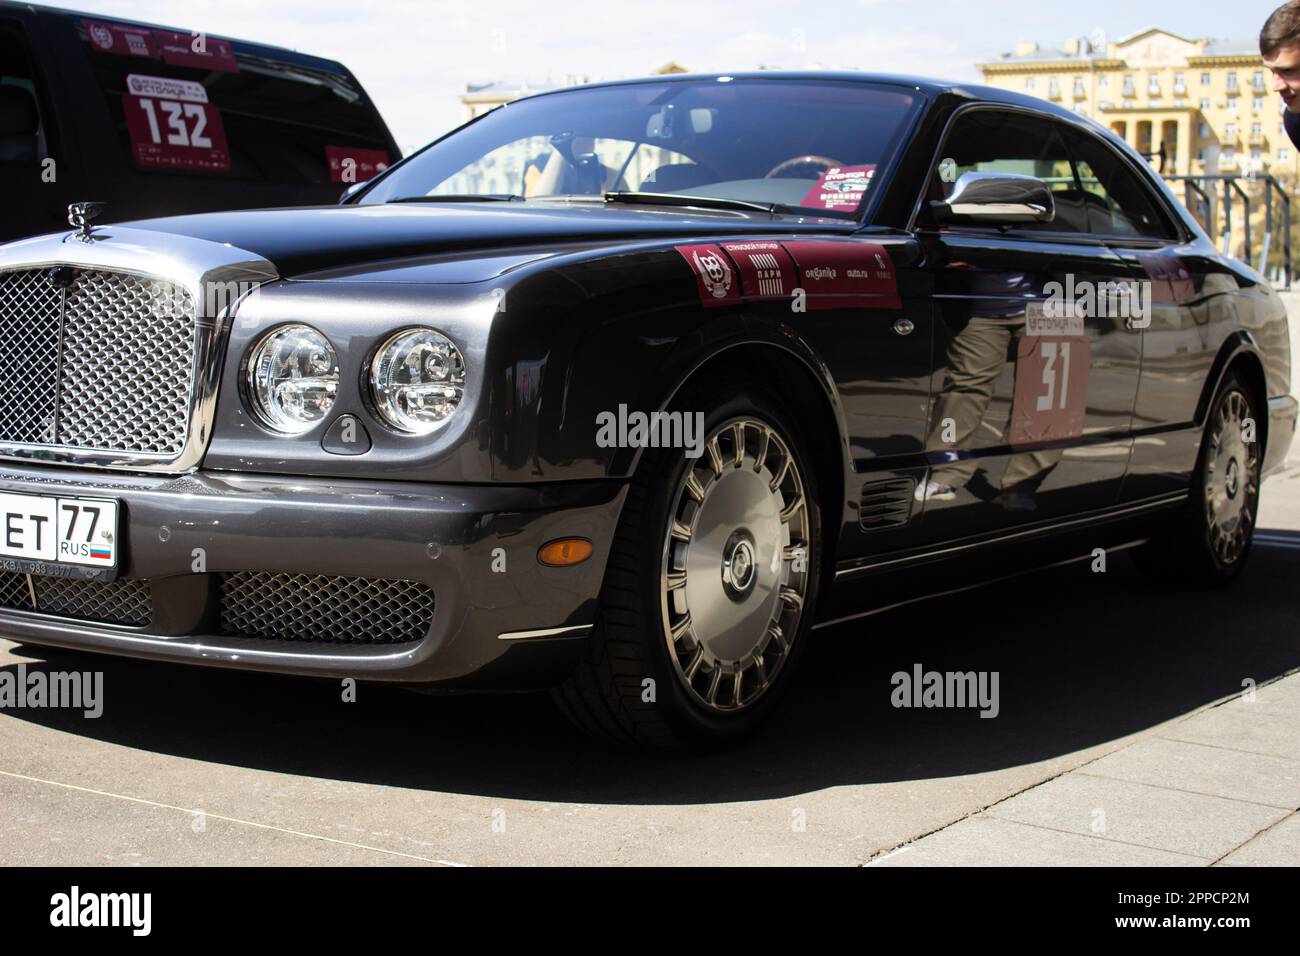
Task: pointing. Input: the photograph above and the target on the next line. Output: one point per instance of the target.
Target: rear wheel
(710, 585)
(1208, 542)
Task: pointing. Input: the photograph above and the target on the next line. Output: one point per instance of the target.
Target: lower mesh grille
(312, 608)
(125, 601)
(320, 608)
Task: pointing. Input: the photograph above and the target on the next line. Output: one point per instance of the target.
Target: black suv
(156, 122)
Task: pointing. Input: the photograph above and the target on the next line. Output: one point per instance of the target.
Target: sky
(415, 58)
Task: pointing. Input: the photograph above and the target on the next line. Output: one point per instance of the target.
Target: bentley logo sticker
(714, 275)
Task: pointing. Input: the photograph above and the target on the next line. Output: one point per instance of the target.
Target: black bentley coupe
(621, 390)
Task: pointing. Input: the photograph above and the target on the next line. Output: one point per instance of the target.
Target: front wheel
(1208, 542)
(711, 582)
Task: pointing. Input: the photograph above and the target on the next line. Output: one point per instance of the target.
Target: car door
(1186, 314)
(1033, 382)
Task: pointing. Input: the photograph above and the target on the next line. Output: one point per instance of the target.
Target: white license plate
(81, 531)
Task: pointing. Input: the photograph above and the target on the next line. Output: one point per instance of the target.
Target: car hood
(301, 241)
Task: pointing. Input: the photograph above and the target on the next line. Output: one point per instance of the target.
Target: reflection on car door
(1190, 316)
(1032, 411)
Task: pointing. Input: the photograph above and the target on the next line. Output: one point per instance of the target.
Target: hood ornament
(80, 215)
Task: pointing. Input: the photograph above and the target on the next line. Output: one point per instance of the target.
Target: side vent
(886, 504)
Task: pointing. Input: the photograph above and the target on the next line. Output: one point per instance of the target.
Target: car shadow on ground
(1083, 658)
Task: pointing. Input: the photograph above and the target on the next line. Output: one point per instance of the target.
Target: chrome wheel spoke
(715, 456)
(693, 487)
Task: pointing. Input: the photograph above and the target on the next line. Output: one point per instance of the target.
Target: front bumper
(473, 546)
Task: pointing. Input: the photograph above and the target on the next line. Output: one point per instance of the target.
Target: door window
(1119, 203)
(994, 141)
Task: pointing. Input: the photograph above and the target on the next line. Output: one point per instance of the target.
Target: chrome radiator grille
(103, 360)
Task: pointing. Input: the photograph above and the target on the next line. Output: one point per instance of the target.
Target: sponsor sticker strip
(833, 275)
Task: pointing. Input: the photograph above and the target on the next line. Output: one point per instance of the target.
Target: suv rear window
(271, 121)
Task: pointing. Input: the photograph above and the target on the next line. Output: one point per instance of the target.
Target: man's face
(1285, 64)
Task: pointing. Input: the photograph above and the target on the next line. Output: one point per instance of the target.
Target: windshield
(793, 143)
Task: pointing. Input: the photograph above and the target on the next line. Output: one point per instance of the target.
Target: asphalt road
(283, 771)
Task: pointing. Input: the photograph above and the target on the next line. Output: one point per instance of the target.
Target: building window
(1230, 130)
(1029, 84)
(1257, 104)
(1284, 154)
(1180, 84)
(1256, 153)
(1103, 81)
(1078, 88)
(1054, 88)
(1205, 130)
(1205, 79)
(1205, 106)
(1153, 85)
(1232, 81)
(1256, 129)
(1128, 85)
(1229, 154)
(1257, 81)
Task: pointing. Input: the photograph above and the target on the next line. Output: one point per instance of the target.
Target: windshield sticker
(766, 269)
(178, 49)
(351, 164)
(844, 275)
(173, 126)
(120, 39)
(714, 276)
(840, 188)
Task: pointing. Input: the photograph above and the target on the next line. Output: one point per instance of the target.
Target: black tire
(606, 695)
(1190, 550)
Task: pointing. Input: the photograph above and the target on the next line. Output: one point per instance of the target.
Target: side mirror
(996, 198)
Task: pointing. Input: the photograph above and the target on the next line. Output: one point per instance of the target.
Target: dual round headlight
(416, 379)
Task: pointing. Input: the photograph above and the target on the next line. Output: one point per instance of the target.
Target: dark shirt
(1292, 121)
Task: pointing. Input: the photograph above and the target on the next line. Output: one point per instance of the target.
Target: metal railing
(1201, 196)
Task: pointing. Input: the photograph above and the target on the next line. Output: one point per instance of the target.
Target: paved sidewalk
(1220, 788)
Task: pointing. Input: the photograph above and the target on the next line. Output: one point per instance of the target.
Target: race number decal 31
(1052, 365)
(173, 126)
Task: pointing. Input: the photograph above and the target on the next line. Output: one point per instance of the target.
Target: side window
(988, 140)
(1119, 203)
(22, 134)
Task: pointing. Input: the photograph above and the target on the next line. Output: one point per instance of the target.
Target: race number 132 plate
(57, 530)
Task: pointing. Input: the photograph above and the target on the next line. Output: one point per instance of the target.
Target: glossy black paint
(567, 310)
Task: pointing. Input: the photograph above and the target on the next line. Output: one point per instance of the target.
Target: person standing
(1279, 44)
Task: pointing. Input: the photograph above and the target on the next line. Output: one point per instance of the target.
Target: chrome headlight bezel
(383, 394)
(256, 387)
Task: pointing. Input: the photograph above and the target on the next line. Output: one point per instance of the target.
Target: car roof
(246, 46)
(927, 85)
